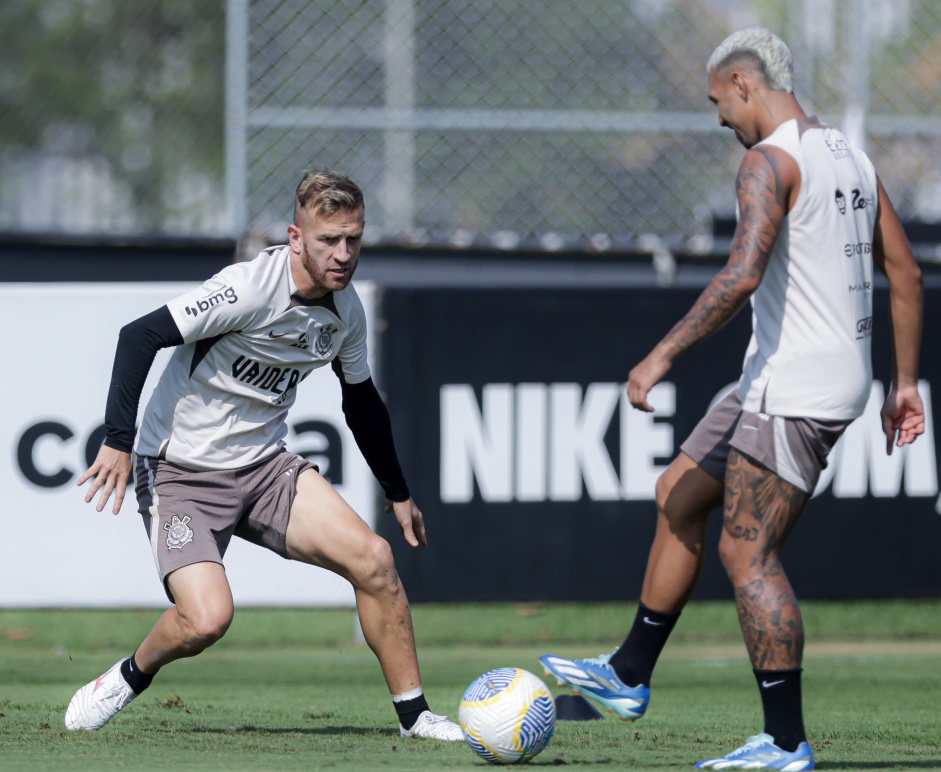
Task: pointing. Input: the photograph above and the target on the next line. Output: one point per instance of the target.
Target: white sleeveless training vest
(809, 355)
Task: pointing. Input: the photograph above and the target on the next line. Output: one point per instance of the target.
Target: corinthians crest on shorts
(178, 533)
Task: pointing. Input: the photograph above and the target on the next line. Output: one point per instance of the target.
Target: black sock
(410, 710)
(635, 660)
(781, 700)
(137, 680)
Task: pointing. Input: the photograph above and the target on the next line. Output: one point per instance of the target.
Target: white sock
(411, 694)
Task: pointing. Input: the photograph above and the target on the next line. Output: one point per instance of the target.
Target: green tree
(138, 88)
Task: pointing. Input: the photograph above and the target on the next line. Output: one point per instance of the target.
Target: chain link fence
(498, 123)
(112, 117)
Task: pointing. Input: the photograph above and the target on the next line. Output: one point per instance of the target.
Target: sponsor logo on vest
(840, 201)
(839, 147)
(860, 248)
(863, 286)
(858, 201)
(864, 327)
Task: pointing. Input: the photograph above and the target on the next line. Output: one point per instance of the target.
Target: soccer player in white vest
(813, 217)
(210, 459)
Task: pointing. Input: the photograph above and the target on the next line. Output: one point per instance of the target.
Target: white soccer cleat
(96, 703)
(433, 726)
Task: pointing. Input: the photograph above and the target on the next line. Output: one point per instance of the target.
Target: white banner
(56, 550)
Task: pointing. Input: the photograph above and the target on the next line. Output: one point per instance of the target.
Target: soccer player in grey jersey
(211, 461)
(802, 255)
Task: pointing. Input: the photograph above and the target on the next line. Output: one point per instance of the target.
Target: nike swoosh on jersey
(279, 335)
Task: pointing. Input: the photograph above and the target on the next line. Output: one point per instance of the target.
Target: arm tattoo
(762, 199)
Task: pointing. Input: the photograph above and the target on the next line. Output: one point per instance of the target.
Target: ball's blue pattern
(508, 716)
(479, 749)
(490, 684)
(533, 735)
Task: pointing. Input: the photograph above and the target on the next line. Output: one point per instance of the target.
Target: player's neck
(777, 108)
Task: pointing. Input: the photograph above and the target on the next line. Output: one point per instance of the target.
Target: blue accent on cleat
(595, 678)
(760, 752)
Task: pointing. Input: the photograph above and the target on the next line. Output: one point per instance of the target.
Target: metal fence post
(236, 98)
(398, 183)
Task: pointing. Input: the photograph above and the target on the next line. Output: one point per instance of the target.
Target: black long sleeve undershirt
(368, 419)
(138, 344)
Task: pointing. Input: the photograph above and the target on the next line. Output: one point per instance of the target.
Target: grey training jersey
(249, 339)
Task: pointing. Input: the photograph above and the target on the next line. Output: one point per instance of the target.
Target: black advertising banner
(537, 478)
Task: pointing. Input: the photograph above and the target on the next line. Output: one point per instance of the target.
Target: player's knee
(673, 507)
(742, 561)
(728, 553)
(663, 488)
(205, 626)
(378, 566)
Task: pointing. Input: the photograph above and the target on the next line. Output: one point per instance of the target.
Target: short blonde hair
(326, 192)
(765, 50)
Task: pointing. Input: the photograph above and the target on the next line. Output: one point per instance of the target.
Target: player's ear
(294, 238)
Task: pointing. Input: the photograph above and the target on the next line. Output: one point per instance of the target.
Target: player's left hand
(903, 416)
(411, 522)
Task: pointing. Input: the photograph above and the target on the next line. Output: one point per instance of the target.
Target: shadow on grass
(543, 761)
(262, 730)
(919, 764)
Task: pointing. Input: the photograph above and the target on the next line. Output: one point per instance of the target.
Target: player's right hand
(110, 470)
(647, 374)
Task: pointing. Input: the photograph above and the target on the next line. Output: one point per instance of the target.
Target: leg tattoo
(761, 510)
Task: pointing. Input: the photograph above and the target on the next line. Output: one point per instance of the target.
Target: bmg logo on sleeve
(212, 300)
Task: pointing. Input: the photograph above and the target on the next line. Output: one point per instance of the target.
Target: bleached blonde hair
(768, 54)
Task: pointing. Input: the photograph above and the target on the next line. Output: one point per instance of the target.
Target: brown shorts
(190, 515)
(795, 449)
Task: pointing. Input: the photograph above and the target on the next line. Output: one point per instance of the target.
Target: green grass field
(289, 690)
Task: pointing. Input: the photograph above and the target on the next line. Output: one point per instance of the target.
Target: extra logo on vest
(864, 327)
(859, 201)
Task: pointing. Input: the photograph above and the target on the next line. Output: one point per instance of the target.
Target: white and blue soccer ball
(507, 715)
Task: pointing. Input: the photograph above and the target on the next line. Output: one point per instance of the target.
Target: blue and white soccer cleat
(760, 752)
(593, 677)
